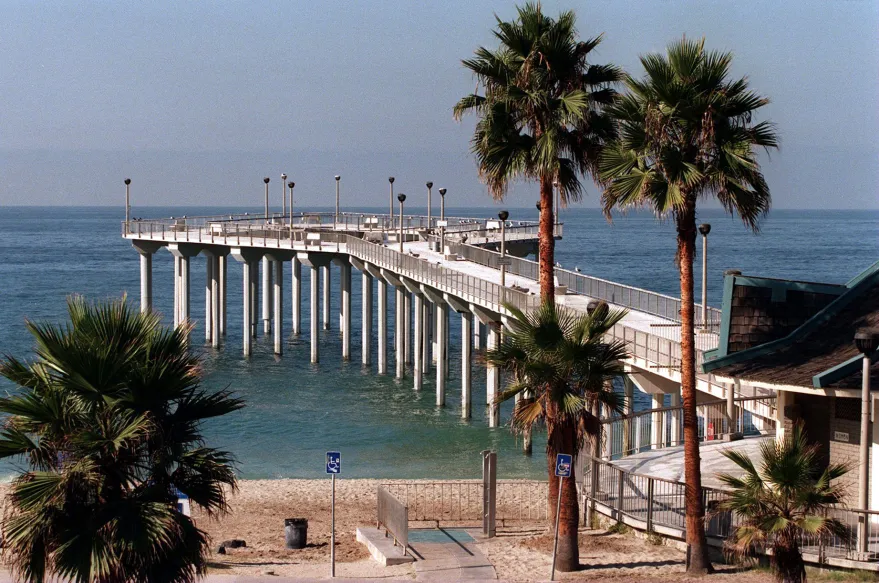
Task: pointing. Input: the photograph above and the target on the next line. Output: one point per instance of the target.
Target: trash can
(295, 532)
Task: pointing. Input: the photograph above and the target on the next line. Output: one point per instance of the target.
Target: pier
(435, 266)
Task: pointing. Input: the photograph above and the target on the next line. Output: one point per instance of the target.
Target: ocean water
(297, 411)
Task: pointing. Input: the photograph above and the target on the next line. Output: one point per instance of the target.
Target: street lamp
(391, 203)
(558, 200)
(291, 184)
(266, 180)
(705, 228)
(283, 195)
(336, 217)
(429, 187)
(442, 192)
(127, 202)
(867, 341)
(503, 215)
(402, 198)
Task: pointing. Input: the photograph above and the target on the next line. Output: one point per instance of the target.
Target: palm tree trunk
(568, 554)
(546, 245)
(698, 562)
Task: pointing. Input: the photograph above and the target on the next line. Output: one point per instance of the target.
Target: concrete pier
(466, 356)
(399, 336)
(418, 337)
(266, 295)
(315, 307)
(407, 327)
(146, 249)
(425, 339)
(366, 318)
(216, 300)
(382, 290)
(325, 271)
(247, 270)
(208, 297)
(492, 380)
(278, 307)
(221, 294)
(442, 345)
(296, 294)
(345, 281)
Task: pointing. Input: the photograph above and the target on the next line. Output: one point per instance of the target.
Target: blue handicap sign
(563, 463)
(334, 462)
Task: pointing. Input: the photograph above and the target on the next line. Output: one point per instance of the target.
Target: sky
(197, 101)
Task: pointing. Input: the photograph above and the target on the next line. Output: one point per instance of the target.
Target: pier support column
(407, 327)
(325, 271)
(278, 307)
(399, 335)
(296, 295)
(425, 338)
(216, 300)
(492, 376)
(208, 297)
(346, 310)
(676, 425)
(146, 282)
(366, 318)
(656, 425)
(248, 268)
(315, 309)
(382, 290)
(185, 313)
(266, 295)
(221, 293)
(254, 299)
(418, 337)
(466, 354)
(477, 337)
(442, 346)
(176, 291)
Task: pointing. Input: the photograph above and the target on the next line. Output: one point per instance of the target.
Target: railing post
(489, 490)
(649, 504)
(593, 491)
(620, 485)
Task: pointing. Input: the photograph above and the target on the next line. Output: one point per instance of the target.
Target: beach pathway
(448, 555)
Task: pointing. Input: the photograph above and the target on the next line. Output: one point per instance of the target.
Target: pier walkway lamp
(558, 200)
(291, 184)
(402, 198)
(283, 196)
(503, 216)
(391, 203)
(127, 202)
(336, 217)
(867, 341)
(266, 180)
(429, 187)
(442, 192)
(705, 228)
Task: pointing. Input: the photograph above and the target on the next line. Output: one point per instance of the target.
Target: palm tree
(685, 132)
(559, 366)
(784, 499)
(108, 422)
(541, 116)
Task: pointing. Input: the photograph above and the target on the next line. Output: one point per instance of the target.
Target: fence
(394, 516)
(658, 505)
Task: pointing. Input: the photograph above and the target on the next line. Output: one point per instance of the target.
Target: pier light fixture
(267, 180)
(866, 341)
(442, 192)
(429, 188)
(558, 199)
(336, 216)
(290, 185)
(391, 203)
(705, 228)
(503, 216)
(127, 202)
(402, 198)
(591, 306)
(283, 194)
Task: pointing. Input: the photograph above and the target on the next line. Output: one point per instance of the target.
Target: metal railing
(664, 427)
(462, 501)
(658, 505)
(394, 516)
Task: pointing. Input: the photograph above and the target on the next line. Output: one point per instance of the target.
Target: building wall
(845, 422)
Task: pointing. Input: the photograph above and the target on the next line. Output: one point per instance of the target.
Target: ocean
(297, 411)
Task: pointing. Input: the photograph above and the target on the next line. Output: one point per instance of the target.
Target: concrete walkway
(449, 555)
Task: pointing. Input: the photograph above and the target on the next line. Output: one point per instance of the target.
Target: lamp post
(391, 203)
(127, 202)
(283, 196)
(291, 184)
(503, 215)
(705, 228)
(429, 187)
(336, 216)
(558, 200)
(867, 341)
(266, 180)
(402, 198)
(442, 192)
(539, 210)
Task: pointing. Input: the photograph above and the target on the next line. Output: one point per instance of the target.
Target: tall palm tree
(781, 500)
(541, 117)
(686, 131)
(559, 366)
(108, 422)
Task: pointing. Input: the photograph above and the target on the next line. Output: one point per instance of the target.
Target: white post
(184, 290)
(399, 337)
(366, 318)
(656, 428)
(441, 347)
(477, 335)
(215, 301)
(676, 418)
(346, 311)
(407, 327)
(296, 295)
(278, 295)
(266, 295)
(425, 340)
(326, 296)
(315, 309)
(466, 355)
(146, 282)
(208, 297)
(176, 291)
(731, 406)
(419, 338)
(492, 383)
(254, 299)
(221, 263)
(382, 326)
(247, 270)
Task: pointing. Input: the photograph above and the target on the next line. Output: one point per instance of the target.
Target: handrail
(394, 516)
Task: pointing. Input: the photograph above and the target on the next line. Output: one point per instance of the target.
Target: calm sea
(296, 411)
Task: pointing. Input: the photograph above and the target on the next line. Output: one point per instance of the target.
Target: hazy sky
(197, 101)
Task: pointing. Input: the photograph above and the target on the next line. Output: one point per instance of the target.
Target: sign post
(563, 464)
(334, 466)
